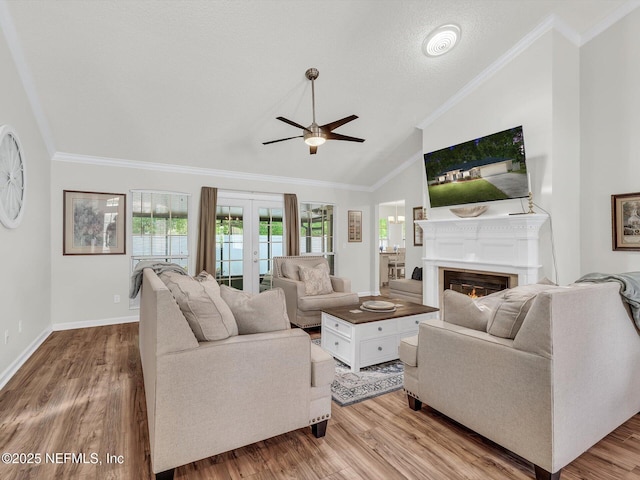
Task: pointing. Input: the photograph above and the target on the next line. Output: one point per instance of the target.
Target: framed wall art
(417, 229)
(94, 223)
(625, 221)
(355, 226)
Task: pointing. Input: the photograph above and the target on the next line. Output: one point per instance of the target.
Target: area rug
(349, 388)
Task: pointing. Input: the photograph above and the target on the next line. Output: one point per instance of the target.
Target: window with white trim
(316, 231)
(159, 228)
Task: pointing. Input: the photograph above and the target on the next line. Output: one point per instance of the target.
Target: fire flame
(473, 294)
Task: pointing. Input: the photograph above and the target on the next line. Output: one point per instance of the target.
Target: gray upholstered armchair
(304, 309)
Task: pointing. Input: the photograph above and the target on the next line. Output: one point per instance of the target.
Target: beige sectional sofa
(406, 289)
(568, 377)
(205, 398)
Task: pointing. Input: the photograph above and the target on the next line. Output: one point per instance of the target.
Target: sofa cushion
(209, 317)
(318, 302)
(316, 279)
(406, 285)
(509, 314)
(460, 309)
(261, 313)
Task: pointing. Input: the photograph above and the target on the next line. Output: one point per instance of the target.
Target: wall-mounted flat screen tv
(481, 170)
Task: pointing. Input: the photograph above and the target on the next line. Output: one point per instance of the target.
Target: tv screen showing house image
(481, 170)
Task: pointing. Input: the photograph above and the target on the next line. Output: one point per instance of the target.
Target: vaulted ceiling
(199, 83)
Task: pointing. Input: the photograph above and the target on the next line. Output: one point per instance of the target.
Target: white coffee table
(361, 338)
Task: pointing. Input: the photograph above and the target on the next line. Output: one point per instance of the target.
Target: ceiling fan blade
(313, 150)
(292, 123)
(338, 123)
(281, 140)
(337, 136)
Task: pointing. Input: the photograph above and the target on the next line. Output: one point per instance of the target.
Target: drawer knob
(336, 344)
(379, 349)
(417, 322)
(337, 325)
(379, 329)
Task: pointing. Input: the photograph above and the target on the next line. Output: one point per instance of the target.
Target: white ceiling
(199, 83)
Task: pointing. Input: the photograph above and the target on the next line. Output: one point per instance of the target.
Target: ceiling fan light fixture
(314, 141)
(441, 40)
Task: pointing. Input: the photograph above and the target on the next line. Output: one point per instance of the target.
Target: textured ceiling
(199, 83)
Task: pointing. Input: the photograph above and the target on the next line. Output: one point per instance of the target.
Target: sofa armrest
(293, 290)
(340, 284)
(229, 393)
(323, 367)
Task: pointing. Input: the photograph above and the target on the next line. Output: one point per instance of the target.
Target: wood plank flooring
(82, 393)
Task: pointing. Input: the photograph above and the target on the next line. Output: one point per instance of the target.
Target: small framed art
(355, 226)
(417, 229)
(625, 221)
(94, 223)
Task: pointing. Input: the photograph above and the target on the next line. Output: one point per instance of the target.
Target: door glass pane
(229, 245)
(270, 242)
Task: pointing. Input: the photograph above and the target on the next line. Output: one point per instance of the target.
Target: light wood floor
(82, 392)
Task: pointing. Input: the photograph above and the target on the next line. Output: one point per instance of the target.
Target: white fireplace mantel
(496, 243)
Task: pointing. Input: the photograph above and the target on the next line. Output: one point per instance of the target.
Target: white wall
(538, 90)
(26, 278)
(84, 286)
(610, 140)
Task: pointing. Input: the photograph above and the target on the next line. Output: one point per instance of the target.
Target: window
(159, 228)
(316, 231)
(383, 234)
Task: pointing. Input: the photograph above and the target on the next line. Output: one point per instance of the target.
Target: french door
(249, 233)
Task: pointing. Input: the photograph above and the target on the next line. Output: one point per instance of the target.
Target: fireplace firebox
(475, 283)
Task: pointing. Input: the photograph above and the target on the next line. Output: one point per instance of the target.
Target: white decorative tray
(378, 306)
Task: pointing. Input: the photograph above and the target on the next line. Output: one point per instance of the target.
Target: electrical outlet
(116, 299)
(6, 337)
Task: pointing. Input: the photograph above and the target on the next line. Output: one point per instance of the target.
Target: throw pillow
(261, 313)
(461, 309)
(417, 274)
(513, 308)
(199, 299)
(316, 279)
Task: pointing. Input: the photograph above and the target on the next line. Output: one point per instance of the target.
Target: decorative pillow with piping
(199, 299)
(474, 313)
(512, 309)
(417, 274)
(316, 279)
(261, 313)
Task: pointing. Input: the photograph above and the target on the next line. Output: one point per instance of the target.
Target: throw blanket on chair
(629, 288)
(158, 267)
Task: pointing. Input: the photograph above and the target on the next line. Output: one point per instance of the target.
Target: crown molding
(403, 166)
(617, 15)
(209, 172)
(11, 36)
(524, 43)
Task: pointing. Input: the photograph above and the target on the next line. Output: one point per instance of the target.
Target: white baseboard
(366, 294)
(11, 370)
(94, 323)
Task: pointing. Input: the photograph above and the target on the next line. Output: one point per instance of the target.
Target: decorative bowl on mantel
(467, 212)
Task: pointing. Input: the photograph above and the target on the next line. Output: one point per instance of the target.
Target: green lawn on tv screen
(464, 192)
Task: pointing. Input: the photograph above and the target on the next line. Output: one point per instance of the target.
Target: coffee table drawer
(381, 328)
(378, 350)
(329, 322)
(336, 345)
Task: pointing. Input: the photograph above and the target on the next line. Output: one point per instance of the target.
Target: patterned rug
(349, 388)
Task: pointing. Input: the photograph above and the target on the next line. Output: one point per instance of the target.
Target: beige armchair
(206, 398)
(305, 310)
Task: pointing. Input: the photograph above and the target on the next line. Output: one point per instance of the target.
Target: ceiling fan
(315, 135)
